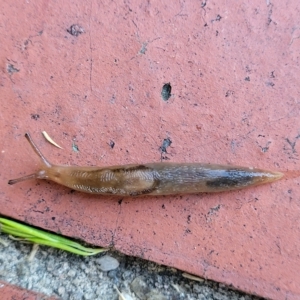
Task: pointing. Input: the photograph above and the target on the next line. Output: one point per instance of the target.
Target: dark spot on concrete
(111, 144)
(163, 148)
(53, 218)
(164, 158)
(269, 20)
(293, 144)
(11, 69)
(166, 91)
(247, 78)
(218, 18)
(75, 30)
(112, 99)
(165, 144)
(163, 206)
(266, 147)
(214, 209)
(229, 93)
(120, 201)
(189, 219)
(270, 83)
(144, 48)
(75, 147)
(35, 116)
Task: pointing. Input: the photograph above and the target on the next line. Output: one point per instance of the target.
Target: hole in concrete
(166, 91)
(12, 69)
(35, 116)
(75, 147)
(111, 144)
(75, 30)
(163, 148)
(218, 18)
(165, 144)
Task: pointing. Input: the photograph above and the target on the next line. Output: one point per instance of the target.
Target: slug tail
(267, 177)
(276, 176)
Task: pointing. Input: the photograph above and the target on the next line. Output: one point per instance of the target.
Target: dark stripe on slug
(231, 179)
(134, 168)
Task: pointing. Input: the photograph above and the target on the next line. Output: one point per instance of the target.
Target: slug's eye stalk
(13, 181)
(37, 150)
(45, 162)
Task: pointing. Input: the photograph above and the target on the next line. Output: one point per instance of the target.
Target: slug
(150, 178)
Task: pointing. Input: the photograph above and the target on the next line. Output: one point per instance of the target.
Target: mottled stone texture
(91, 74)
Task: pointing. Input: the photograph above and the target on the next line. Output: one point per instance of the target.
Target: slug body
(151, 178)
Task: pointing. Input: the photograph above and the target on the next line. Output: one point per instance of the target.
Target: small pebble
(139, 287)
(71, 273)
(125, 296)
(156, 295)
(61, 291)
(107, 263)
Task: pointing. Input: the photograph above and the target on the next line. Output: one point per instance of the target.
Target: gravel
(105, 276)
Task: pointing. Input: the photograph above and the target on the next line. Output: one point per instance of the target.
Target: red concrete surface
(234, 71)
(11, 292)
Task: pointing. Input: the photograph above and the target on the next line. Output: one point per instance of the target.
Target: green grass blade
(41, 237)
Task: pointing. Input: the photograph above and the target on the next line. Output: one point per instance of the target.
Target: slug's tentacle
(13, 181)
(152, 178)
(40, 174)
(37, 150)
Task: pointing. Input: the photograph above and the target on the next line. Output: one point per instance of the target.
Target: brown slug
(150, 178)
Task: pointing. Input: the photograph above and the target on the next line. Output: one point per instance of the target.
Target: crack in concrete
(270, 12)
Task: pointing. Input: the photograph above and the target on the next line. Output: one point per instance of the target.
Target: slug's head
(45, 169)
